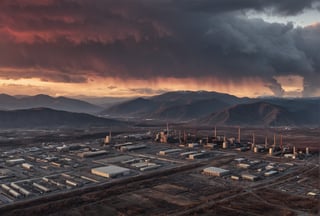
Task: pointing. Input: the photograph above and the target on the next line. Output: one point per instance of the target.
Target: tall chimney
(253, 139)
(239, 135)
(266, 142)
(274, 140)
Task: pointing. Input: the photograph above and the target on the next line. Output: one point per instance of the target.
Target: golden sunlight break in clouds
(98, 87)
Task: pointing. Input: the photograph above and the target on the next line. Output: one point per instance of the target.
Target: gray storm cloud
(65, 41)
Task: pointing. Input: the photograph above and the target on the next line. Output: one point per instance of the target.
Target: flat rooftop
(110, 171)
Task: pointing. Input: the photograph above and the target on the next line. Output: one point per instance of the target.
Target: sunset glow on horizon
(111, 87)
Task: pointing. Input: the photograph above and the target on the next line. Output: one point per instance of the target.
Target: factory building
(234, 177)
(258, 148)
(15, 161)
(169, 151)
(150, 167)
(132, 147)
(270, 173)
(41, 187)
(92, 153)
(11, 191)
(72, 183)
(199, 155)
(20, 189)
(144, 166)
(243, 165)
(27, 166)
(123, 144)
(215, 171)
(193, 145)
(188, 153)
(110, 171)
(249, 177)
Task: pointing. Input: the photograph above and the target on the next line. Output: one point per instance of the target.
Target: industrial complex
(235, 164)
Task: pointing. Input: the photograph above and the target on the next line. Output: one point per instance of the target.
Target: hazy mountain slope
(193, 110)
(46, 118)
(185, 97)
(139, 106)
(60, 103)
(181, 105)
(262, 114)
(259, 113)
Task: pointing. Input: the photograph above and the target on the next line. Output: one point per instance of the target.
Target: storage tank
(225, 145)
(72, 183)
(20, 189)
(270, 151)
(5, 187)
(41, 187)
(14, 193)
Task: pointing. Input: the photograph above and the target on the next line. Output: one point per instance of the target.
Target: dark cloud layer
(69, 40)
(283, 7)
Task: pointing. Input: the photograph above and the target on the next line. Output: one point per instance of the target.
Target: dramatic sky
(144, 47)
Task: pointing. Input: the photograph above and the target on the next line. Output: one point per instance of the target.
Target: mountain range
(8, 102)
(203, 108)
(223, 109)
(181, 105)
(48, 118)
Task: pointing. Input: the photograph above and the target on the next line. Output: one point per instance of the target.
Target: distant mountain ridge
(215, 108)
(205, 108)
(180, 105)
(263, 114)
(8, 102)
(48, 118)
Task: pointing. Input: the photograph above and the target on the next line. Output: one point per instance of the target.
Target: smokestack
(294, 150)
(239, 135)
(215, 132)
(274, 140)
(266, 142)
(253, 139)
(109, 136)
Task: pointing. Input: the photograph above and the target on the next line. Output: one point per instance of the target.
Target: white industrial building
(243, 165)
(188, 153)
(193, 145)
(15, 161)
(249, 177)
(168, 151)
(27, 166)
(132, 147)
(110, 171)
(215, 171)
(270, 173)
(92, 153)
